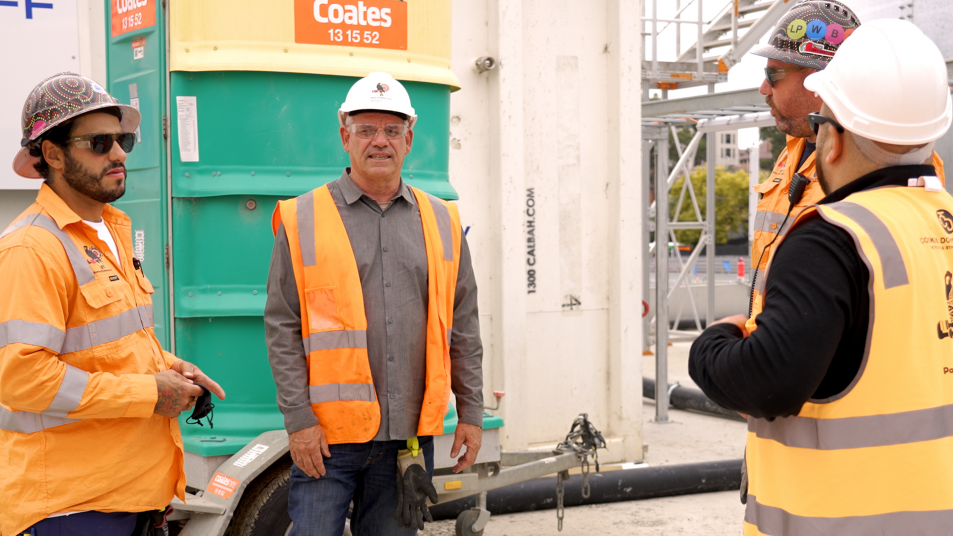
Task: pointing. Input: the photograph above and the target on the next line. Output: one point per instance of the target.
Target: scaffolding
(719, 44)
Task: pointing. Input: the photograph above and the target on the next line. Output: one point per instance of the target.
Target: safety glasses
(772, 74)
(391, 132)
(103, 143)
(816, 120)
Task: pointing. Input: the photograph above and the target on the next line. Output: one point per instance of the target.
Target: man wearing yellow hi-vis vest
(846, 372)
(372, 323)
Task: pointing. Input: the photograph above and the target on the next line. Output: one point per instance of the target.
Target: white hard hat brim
(876, 129)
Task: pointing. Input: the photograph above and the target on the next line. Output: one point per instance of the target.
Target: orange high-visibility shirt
(77, 355)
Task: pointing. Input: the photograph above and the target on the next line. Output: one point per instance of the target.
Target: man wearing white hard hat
(371, 323)
(858, 306)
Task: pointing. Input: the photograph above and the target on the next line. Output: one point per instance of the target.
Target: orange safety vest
(874, 459)
(773, 206)
(333, 323)
(77, 354)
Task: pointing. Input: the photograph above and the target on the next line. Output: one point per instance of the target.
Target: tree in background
(731, 203)
(685, 135)
(778, 141)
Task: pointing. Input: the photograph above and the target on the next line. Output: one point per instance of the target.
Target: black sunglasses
(772, 74)
(816, 120)
(103, 143)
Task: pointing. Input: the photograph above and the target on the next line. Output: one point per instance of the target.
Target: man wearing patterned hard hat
(804, 42)
(372, 326)
(89, 441)
(845, 374)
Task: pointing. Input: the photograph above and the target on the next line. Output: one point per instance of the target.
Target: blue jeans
(365, 473)
(85, 524)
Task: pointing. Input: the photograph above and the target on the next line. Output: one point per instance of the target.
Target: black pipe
(687, 398)
(606, 487)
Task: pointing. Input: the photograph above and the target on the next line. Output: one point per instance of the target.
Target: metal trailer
(247, 493)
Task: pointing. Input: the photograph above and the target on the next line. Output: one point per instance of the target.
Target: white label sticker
(135, 104)
(138, 53)
(140, 245)
(188, 124)
(249, 456)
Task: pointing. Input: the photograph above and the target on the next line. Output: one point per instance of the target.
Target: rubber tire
(465, 522)
(263, 510)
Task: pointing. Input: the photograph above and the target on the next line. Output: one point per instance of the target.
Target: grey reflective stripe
(305, 213)
(449, 332)
(27, 422)
(764, 219)
(333, 340)
(107, 330)
(33, 333)
(84, 274)
(442, 213)
(760, 282)
(773, 520)
(891, 261)
(857, 432)
(67, 399)
(335, 392)
(70, 392)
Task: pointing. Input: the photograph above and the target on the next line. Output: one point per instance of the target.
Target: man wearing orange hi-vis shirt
(845, 372)
(89, 441)
(372, 325)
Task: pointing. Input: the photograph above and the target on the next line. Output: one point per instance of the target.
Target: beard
(821, 179)
(90, 183)
(797, 126)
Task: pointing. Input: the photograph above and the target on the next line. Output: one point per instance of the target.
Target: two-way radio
(795, 191)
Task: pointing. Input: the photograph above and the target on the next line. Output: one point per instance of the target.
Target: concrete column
(508, 184)
(625, 227)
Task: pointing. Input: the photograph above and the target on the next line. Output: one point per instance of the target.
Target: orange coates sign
(352, 23)
(131, 15)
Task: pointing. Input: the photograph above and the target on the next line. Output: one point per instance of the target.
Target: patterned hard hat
(810, 33)
(56, 100)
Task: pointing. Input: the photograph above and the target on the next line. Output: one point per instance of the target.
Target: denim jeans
(365, 473)
(85, 524)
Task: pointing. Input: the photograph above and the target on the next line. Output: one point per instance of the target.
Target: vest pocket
(323, 309)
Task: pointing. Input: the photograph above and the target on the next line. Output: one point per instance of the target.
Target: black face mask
(203, 407)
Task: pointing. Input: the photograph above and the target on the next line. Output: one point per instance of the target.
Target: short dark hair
(58, 135)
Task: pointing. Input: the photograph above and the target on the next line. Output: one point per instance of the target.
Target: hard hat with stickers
(810, 34)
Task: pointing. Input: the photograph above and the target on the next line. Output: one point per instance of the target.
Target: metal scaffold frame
(656, 135)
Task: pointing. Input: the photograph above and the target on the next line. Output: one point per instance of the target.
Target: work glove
(414, 487)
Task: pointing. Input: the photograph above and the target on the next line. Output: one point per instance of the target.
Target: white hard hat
(379, 92)
(887, 83)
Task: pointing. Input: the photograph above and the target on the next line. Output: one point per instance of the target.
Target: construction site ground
(689, 437)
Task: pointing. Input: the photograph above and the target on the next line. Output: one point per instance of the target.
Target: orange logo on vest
(352, 23)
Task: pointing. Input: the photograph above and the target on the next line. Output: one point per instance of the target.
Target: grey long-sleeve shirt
(392, 262)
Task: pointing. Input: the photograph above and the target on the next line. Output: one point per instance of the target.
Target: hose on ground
(688, 398)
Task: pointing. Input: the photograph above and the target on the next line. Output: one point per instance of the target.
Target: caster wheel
(465, 522)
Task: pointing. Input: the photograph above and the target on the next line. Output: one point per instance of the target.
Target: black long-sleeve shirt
(812, 333)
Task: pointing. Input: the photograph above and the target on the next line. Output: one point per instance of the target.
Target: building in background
(726, 149)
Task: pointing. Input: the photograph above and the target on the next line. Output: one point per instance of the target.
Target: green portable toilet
(239, 104)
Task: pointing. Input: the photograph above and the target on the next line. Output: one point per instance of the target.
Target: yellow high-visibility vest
(333, 323)
(875, 459)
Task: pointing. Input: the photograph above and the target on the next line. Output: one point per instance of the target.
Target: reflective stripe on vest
(872, 459)
(67, 399)
(772, 520)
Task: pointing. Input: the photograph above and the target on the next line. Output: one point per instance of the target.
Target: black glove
(413, 490)
(203, 407)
